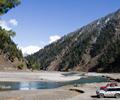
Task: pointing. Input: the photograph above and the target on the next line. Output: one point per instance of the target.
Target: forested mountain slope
(10, 56)
(94, 47)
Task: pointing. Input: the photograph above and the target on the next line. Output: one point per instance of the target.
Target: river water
(47, 85)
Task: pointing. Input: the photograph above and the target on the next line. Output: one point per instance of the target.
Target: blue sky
(39, 21)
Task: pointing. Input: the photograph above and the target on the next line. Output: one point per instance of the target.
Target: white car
(109, 92)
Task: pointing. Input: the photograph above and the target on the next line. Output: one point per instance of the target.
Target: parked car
(109, 85)
(109, 92)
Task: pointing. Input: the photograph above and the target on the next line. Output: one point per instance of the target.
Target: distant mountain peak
(118, 11)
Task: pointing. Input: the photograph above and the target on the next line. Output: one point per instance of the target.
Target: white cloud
(29, 49)
(4, 25)
(8, 24)
(54, 38)
(13, 22)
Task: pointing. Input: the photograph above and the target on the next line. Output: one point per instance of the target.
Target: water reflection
(46, 85)
(28, 85)
(25, 86)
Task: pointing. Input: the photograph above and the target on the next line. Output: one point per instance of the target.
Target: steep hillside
(95, 47)
(10, 56)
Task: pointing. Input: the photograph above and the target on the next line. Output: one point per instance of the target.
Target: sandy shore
(62, 93)
(38, 76)
(49, 94)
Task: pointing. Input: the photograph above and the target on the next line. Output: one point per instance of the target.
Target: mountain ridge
(86, 49)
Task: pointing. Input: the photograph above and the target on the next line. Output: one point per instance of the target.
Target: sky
(40, 22)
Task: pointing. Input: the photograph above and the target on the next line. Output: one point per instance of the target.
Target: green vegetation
(105, 38)
(20, 66)
(6, 5)
(12, 55)
(7, 46)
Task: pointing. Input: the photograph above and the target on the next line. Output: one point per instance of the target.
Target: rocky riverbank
(69, 92)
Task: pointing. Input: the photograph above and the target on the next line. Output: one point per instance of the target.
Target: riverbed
(44, 80)
(58, 93)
